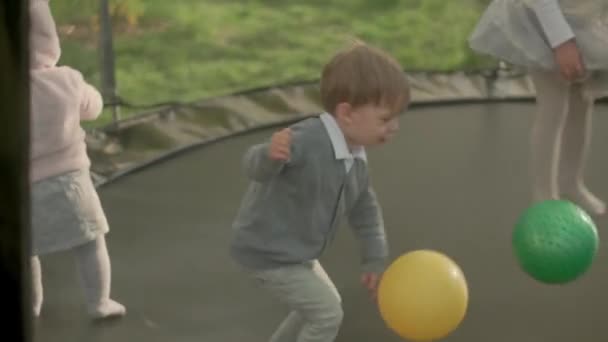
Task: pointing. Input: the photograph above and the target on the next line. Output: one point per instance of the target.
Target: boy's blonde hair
(362, 75)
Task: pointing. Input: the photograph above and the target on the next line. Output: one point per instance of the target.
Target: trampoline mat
(454, 180)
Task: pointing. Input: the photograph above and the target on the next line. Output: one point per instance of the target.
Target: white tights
(93, 264)
(560, 141)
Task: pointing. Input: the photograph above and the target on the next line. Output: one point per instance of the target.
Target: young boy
(309, 176)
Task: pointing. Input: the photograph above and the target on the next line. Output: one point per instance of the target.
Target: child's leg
(94, 267)
(36, 285)
(552, 108)
(316, 310)
(575, 149)
(291, 327)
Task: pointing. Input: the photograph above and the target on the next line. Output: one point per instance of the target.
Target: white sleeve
(552, 20)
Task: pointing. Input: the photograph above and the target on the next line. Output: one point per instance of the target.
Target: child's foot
(107, 308)
(586, 200)
(36, 311)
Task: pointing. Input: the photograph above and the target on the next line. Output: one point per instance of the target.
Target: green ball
(555, 241)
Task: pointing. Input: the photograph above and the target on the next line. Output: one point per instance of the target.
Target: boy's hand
(280, 145)
(370, 281)
(569, 60)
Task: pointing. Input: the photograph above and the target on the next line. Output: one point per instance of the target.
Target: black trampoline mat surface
(454, 180)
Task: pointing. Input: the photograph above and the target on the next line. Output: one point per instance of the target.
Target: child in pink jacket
(66, 210)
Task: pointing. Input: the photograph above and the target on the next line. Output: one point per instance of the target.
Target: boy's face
(367, 125)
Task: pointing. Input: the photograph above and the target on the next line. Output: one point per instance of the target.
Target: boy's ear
(344, 112)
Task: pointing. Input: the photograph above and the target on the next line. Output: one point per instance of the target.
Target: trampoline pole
(16, 306)
(108, 78)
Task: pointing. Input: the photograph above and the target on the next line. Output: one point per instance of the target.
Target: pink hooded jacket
(60, 99)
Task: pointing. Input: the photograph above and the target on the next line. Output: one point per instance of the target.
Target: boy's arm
(258, 165)
(552, 19)
(368, 225)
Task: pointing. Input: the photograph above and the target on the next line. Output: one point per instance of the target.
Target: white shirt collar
(338, 141)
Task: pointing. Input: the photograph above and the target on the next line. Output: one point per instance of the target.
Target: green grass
(191, 49)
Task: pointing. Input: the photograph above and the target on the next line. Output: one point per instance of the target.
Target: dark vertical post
(108, 78)
(14, 181)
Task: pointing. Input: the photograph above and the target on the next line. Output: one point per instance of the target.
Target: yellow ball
(423, 296)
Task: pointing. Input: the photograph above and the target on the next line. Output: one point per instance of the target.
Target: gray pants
(315, 304)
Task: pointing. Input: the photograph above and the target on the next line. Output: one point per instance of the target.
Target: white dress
(510, 31)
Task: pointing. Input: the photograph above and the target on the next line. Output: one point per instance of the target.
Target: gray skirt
(65, 212)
